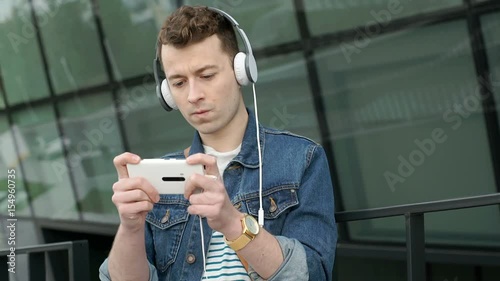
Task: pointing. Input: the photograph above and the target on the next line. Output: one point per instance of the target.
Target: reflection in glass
(71, 42)
(404, 114)
(93, 140)
(44, 167)
(21, 67)
(490, 25)
(325, 16)
(150, 130)
(9, 165)
(2, 102)
(131, 29)
(254, 18)
(283, 96)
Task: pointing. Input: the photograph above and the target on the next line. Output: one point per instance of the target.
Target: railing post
(36, 263)
(415, 246)
(79, 261)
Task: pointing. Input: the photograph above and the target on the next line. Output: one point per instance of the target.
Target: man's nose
(195, 92)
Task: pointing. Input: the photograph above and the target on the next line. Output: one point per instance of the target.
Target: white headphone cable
(203, 250)
(261, 210)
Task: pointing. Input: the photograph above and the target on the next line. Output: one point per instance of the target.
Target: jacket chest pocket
(276, 202)
(168, 220)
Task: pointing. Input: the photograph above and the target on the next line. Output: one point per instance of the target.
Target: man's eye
(178, 84)
(209, 76)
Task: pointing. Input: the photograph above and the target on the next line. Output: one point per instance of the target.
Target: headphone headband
(242, 33)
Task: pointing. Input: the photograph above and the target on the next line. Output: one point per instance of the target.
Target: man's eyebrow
(198, 71)
(206, 67)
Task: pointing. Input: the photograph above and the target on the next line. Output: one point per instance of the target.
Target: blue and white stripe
(222, 262)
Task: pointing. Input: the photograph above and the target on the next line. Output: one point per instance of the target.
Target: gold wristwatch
(250, 230)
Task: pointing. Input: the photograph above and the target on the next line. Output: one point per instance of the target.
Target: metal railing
(414, 214)
(78, 253)
(78, 260)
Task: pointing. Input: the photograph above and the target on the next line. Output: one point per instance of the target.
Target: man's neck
(231, 136)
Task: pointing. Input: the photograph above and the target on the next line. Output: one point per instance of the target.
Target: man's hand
(213, 202)
(133, 197)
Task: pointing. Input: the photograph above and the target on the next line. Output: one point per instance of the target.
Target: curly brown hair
(192, 24)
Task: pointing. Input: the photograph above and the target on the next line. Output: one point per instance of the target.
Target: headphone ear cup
(251, 68)
(240, 69)
(167, 96)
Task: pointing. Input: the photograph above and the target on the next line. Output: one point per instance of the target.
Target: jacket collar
(249, 154)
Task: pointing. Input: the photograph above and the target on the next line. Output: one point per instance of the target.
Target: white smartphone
(168, 176)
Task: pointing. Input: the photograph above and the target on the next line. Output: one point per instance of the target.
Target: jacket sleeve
(294, 266)
(104, 273)
(153, 276)
(309, 236)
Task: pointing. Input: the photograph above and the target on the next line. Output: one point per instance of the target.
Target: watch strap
(239, 243)
(245, 237)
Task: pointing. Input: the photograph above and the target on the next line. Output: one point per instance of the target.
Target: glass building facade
(402, 95)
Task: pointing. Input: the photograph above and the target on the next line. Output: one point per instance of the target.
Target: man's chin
(205, 128)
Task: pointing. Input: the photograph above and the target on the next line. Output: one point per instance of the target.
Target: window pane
(283, 96)
(9, 160)
(150, 130)
(255, 18)
(44, 167)
(490, 273)
(453, 272)
(408, 126)
(71, 43)
(131, 29)
(93, 140)
(491, 25)
(2, 102)
(21, 66)
(325, 16)
(352, 268)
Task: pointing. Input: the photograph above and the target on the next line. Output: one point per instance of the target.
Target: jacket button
(273, 207)
(237, 205)
(166, 217)
(190, 258)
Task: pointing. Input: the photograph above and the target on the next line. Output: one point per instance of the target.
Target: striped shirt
(222, 262)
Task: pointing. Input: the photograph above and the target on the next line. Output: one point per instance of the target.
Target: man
(159, 237)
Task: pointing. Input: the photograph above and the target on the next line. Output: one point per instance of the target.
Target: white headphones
(245, 67)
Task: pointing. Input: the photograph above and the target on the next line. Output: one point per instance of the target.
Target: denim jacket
(297, 202)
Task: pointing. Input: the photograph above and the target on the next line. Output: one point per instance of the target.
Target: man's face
(202, 84)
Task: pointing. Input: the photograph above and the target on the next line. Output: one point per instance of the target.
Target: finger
(209, 161)
(131, 209)
(137, 183)
(197, 183)
(121, 161)
(206, 198)
(130, 196)
(201, 210)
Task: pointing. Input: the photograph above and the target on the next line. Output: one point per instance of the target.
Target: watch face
(252, 224)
